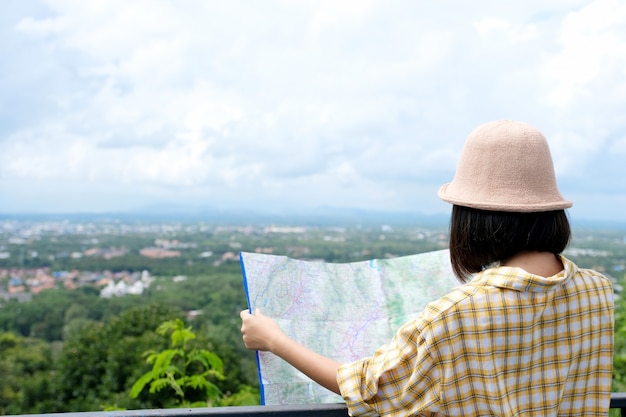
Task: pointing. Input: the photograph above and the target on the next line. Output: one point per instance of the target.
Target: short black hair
(479, 238)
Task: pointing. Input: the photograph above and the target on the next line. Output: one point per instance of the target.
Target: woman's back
(525, 344)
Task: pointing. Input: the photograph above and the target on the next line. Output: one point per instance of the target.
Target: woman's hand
(262, 333)
(259, 331)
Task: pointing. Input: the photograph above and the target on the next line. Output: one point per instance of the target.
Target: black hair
(479, 238)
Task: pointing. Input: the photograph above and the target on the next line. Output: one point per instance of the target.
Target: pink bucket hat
(505, 166)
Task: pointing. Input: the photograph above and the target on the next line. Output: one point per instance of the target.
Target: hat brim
(560, 204)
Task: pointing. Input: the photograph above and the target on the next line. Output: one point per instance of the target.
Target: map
(341, 310)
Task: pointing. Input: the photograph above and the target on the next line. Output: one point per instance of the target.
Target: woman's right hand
(259, 331)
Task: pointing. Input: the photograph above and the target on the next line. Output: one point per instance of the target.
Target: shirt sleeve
(401, 377)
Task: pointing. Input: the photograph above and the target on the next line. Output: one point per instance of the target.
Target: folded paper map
(341, 310)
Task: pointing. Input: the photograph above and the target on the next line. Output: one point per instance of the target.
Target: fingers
(257, 329)
(246, 313)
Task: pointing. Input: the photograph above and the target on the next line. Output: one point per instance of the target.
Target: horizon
(321, 217)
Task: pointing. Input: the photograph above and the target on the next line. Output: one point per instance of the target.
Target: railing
(618, 400)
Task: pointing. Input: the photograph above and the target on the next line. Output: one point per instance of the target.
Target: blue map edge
(258, 362)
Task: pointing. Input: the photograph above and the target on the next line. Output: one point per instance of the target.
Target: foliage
(182, 368)
(99, 360)
(246, 395)
(72, 350)
(619, 350)
(27, 375)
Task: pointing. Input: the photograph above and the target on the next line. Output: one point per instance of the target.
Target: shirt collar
(515, 278)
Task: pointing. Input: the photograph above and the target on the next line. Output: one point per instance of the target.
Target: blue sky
(124, 104)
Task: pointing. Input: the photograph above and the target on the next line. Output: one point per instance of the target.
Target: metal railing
(618, 401)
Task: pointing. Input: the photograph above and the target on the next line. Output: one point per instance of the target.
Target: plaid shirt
(508, 343)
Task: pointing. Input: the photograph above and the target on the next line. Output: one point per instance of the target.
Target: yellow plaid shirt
(507, 343)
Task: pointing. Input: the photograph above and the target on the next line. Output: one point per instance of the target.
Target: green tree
(99, 361)
(619, 349)
(186, 370)
(25, 374)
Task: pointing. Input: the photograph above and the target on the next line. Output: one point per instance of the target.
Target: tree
(619, 349)
(25, 374)
(99, 361)
(185, 370)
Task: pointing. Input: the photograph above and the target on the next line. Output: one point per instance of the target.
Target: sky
(126, 105)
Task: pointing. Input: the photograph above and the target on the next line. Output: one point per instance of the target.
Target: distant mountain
(321, 216)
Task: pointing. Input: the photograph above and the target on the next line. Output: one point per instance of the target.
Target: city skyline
(124, 106)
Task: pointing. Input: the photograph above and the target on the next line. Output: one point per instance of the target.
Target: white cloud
(592, 42)
(504, 28)
(318, 102)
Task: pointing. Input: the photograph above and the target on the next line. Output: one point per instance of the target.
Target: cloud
(593, 46)
(312, 102)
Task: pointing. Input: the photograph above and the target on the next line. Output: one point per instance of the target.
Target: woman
(528, 333)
